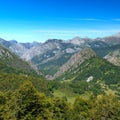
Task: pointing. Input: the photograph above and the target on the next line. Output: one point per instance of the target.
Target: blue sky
(39, 20)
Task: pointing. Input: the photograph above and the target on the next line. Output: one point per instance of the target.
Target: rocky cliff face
(52, 54)
(114, 57)
(54, 45)
(18, 48)
(4, 53)
(112, 40)
(28, 51)
(76, 60)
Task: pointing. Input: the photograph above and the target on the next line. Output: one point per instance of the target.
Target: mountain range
(11, 63)
(49, 56)
(62, 70)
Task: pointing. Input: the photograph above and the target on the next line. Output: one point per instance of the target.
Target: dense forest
(27, 100)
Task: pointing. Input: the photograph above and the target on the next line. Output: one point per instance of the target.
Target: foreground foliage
(26, 103)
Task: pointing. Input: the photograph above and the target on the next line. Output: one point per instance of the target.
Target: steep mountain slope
(14, 72)
(51, 66)
(92, 76)
(79, 41)
(112, 40)
(54, 45)
(51, 55)
(114, 57)
(76, 60)
(93, 69)
(17, 48)
(30, 50)
(102, 48)
(9, 62)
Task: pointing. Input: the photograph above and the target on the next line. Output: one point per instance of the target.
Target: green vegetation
(26, 103)
(24, 95)
(104, 76)
(11, 82)
(10, 63)
(102, 52)
(50, 67)
(96, 67)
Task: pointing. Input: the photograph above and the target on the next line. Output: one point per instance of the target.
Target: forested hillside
(29, 104)
(11, 63)
(88, 89)
(95, 67)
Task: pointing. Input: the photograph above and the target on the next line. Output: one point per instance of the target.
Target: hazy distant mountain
(5, 43)
(102, 48)
(114, 57)
(77, 59)
(52, 54)
(72, 46)
(54, 45)
(93, 70)
(17, 48)
(112, 40)
(10, 63)
(79, 41)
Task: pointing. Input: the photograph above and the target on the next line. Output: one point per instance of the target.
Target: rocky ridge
(76, 60)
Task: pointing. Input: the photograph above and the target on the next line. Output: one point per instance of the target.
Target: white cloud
(86, 19)
(91, 19)
(94, 19)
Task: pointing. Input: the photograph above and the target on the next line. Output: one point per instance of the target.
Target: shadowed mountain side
(76, 60)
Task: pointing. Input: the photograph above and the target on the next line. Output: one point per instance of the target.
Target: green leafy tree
(82, 108)
(2, 103)
(107, 107)
(26, 104)
(61, 109)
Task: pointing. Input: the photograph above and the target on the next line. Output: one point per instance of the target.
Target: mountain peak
(53, 40)
(77, 59)
(13, 41)
(79, 41)
(117, 35)
(4, 53)
(77, 37)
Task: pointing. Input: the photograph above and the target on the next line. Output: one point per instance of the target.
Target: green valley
(86, 88)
